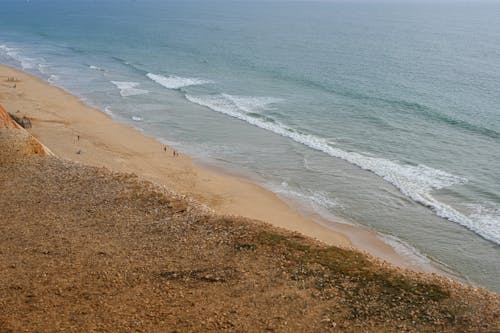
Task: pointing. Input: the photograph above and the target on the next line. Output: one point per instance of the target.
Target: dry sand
(59, 118)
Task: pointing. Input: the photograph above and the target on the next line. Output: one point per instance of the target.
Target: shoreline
(92, 137)
(152, 260)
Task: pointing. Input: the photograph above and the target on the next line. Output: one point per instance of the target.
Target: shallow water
(384, 115)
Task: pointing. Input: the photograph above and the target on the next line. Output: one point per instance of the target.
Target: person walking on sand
(165, 148)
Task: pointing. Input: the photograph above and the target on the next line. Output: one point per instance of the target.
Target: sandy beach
(87, 247)
(79, 133)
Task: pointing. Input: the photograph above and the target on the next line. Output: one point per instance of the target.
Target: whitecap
(53, 79)
(176, 82)
(129, 88)
(137, 118)
(107, 109)
(97, 68)
(487, 217)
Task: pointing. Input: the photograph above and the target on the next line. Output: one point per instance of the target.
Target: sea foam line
(129, 88)
(13, 53)
(176, 82)
(97, 68)
(314, 198)
(414, 181)
(413, 256)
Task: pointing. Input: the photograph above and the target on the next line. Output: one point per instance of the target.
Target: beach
(79, 133)
(85, 248)
(369, 125)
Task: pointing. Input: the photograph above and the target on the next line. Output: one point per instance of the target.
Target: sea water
(385, 115)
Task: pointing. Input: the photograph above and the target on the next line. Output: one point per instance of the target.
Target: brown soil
(5, 120)
(83, 249)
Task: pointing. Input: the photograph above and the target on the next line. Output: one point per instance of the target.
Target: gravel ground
(83, 249)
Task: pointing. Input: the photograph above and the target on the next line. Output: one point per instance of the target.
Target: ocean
(384, 115)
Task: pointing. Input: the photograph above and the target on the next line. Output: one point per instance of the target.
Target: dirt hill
(83, 249)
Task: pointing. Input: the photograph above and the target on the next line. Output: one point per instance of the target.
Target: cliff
(85, 249)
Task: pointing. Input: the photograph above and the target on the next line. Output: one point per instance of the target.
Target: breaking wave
(129, 88)
(414, 181)
(176, 82)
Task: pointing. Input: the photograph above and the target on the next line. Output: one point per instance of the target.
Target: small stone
(25, 122)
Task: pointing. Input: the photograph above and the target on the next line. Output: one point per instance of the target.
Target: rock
(178, 206)
(25, 122)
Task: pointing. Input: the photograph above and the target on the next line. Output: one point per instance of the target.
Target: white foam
(96, 68)
(252, 104)
(107, 109)
(413, 257)
(43, 68)
(415, 181)
(53, 79)
(176, 82)
(317, 199)
(487, 217)
(13, 53)
(129, 88)
(137, 118)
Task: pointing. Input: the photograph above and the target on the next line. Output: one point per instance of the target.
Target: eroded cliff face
(5, 120)
(29, 144)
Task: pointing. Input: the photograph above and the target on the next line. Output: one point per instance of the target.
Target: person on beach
(165, 148)
(77, 138)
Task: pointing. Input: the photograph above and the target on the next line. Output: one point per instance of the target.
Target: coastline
(67, 126)
(87, 248)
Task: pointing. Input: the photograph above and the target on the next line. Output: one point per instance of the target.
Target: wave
(487, 217)
(412, 255)
(129, 88)
(135, 67)
(176, 82)
(414, 181)
(13, 53)
(97, 68)
(315, 198)
(137, 118)
(476, 129)
(53, 79)
(429, 113)
(252, 104)
(108, 110)
(423, 110)
(247, 108)
(42, 68)
(397, 104)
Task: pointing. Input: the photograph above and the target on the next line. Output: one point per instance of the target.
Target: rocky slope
(83, 249)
